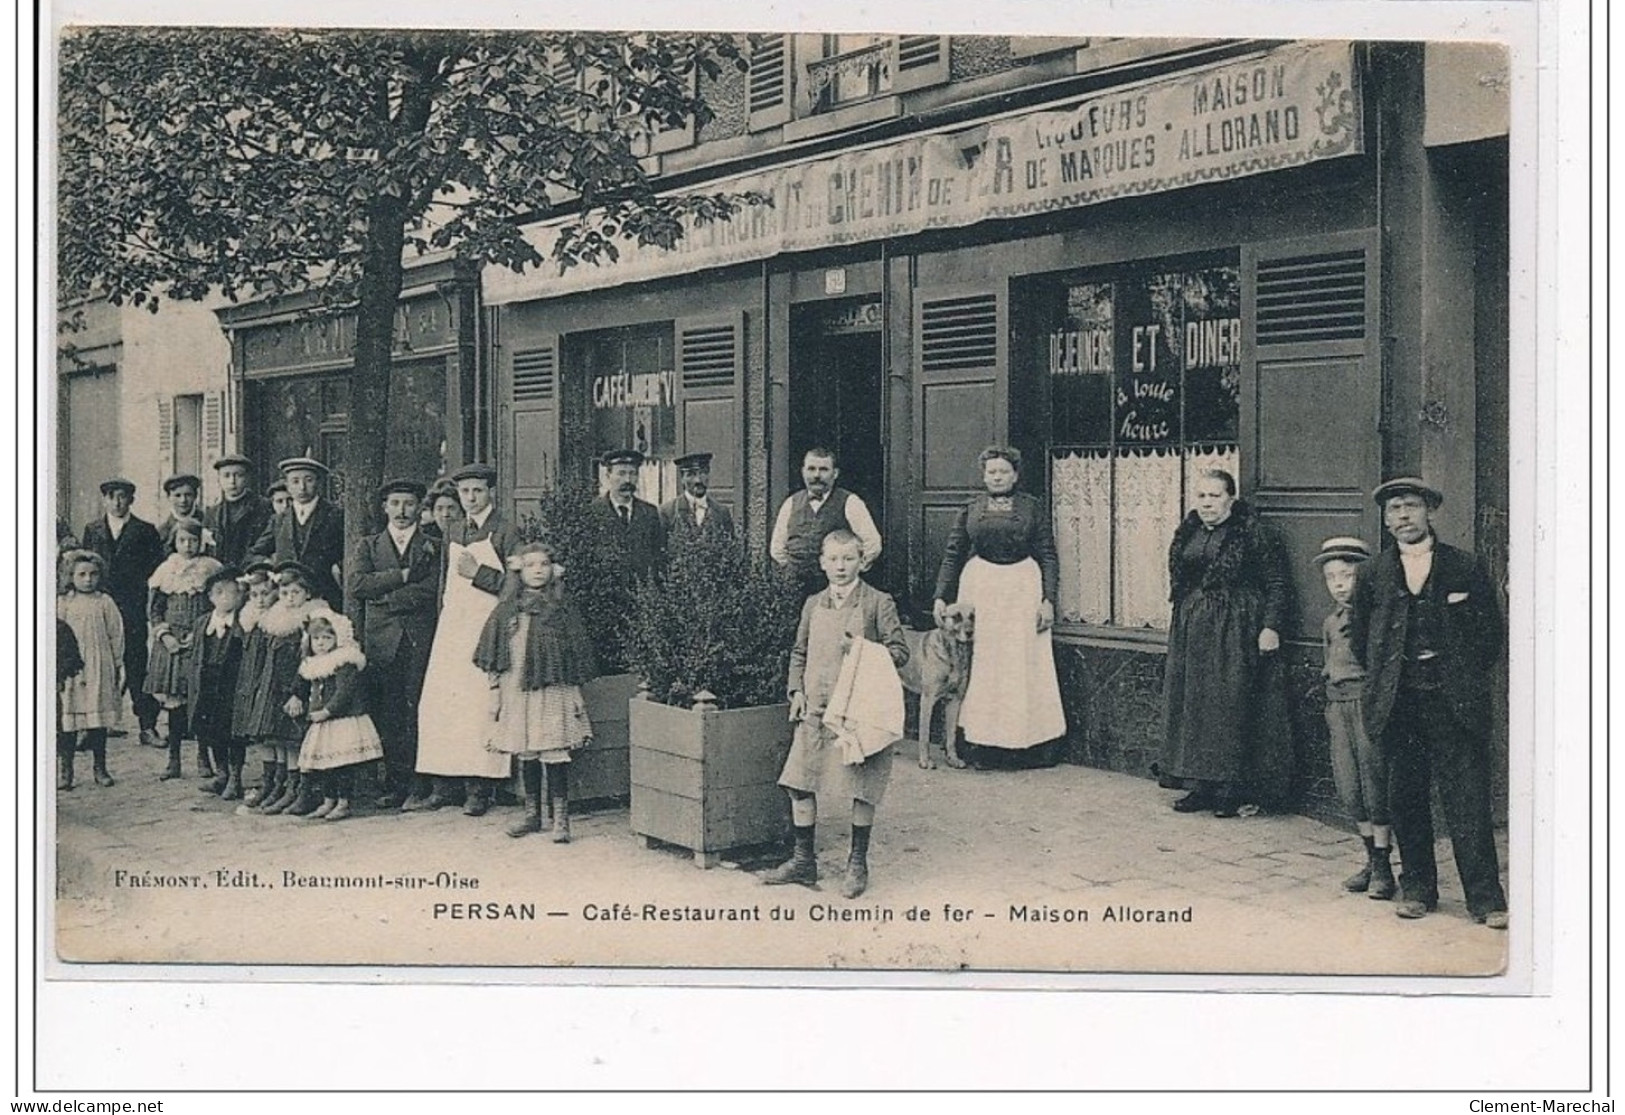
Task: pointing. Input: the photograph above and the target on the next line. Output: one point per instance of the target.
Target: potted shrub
(711, 643)
(580, 542)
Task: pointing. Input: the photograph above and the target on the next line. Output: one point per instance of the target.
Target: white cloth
(701, 508)
(865, 710)
(402, 538)
(454, 716)
(115, 527)
(1013, 699)
(1417, 558)
(219, 624)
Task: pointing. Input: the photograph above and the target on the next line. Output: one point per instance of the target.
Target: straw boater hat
(1407, 486)
(1342, 549)
(306, 464)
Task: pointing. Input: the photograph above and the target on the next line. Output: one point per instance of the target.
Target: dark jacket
(1250, 557)
(212, 671)
(131, 561)
(1471, 631)
(395, 610)
(642, 543)
(1001, 538)
(677, 520)
(322, 547)
(236, 526)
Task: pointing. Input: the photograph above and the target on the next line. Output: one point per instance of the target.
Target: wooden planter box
(602, 769)
(708, 781)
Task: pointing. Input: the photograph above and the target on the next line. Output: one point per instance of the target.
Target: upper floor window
(796, 76)
(852, 68)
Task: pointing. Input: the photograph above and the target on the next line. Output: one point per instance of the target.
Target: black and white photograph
(905, 502)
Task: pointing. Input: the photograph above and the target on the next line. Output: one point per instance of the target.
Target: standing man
(181, 491)
(310, 531)
(818, 509)
(692, 512)
(635, 523)
(132, 550)
(453, 722)
(396, 575)
(1433, 638)
(237, 521)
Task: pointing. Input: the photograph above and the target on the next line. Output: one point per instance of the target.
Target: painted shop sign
(420, 325)
(1287, 107)
(618, 390)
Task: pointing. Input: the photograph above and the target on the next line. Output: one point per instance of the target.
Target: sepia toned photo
(859, 502)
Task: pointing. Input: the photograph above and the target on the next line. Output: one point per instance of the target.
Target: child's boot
(306, 799)
(272, 786)
(205, 768)
(222, 768)
(531, 775)
(233, 790)
(558, 785)
(1382, 886)
(1361, 879)
(177, 730)
(65, 744)
(857, 863)
(253, 796)
(478, 800)
(287, 795)
(802, 866)
(98, 755)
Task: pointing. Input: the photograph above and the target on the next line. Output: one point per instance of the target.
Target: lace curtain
(1081, 502)
(1149, 506)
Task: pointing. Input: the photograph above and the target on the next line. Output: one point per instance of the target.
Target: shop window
(620, 391)
(1143, 374)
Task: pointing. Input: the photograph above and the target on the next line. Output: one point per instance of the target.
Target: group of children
(252, 658)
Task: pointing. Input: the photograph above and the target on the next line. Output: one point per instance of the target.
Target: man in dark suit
(693, 512)
(237, 521)
(1433, 634)
(132, 550)
(635, 523)
(396, 575)
(181, 491)
(310, 531)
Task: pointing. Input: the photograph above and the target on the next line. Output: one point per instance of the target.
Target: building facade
(1130, 258)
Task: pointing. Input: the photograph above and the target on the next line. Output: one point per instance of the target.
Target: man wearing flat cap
(237, 521)
(310, 531)
(396, 576)
(693, 512)
(635, 524)
(132, 550)
(1433, 637)
(181, 493)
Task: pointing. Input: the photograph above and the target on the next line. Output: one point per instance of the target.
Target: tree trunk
(367, 437)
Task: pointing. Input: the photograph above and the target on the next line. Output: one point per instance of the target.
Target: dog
(938, 669)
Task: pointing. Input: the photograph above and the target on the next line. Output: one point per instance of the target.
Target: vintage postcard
(863, 502)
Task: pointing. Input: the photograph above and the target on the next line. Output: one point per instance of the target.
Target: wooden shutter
(769, 81)
(922, 61)
(710, 375)
(960, 404)
(529, 428)
(1311, 396)
(166, 438)
(214, 428)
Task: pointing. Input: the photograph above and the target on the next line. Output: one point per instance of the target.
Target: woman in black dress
(1229, 591)
(1001, 561)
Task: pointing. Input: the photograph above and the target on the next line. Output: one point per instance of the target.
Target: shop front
(1188, 273)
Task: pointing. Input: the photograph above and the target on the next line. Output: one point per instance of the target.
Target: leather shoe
(395, 799)
(476, 806)
(1410, 909)
(1495, 919)
(1193, 802)
(1227, 807)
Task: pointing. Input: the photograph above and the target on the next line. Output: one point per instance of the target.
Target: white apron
(1013, 699)
(454, 713)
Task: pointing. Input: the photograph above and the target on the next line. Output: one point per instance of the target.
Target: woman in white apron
(1001, 562)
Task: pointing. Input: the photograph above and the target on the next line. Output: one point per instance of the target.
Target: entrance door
(836, 398)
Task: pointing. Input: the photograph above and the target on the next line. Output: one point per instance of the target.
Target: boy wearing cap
(236, 522)
(132, 551)
(181, 492)
(1434, 636)
(395, 574)
(310, 532)
(634, 522)
(692, 512)
(1358, 768)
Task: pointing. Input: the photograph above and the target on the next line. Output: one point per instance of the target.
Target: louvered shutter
(922, 61)
(1311, 396)
(166, 438)
(769, 81)
(960, 404)
(710, 371)
(214, 428)
(530, 425)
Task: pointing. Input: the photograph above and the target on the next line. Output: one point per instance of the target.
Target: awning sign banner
(1291, 106)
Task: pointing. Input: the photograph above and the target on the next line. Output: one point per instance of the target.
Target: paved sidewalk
(1068, 868)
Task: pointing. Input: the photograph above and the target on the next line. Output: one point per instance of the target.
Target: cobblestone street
(1086, 854)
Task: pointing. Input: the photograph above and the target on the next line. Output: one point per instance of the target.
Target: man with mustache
(634, 523)
(820, 508)
(693, 512)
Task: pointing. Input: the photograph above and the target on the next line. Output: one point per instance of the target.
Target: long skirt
(1013, 699)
